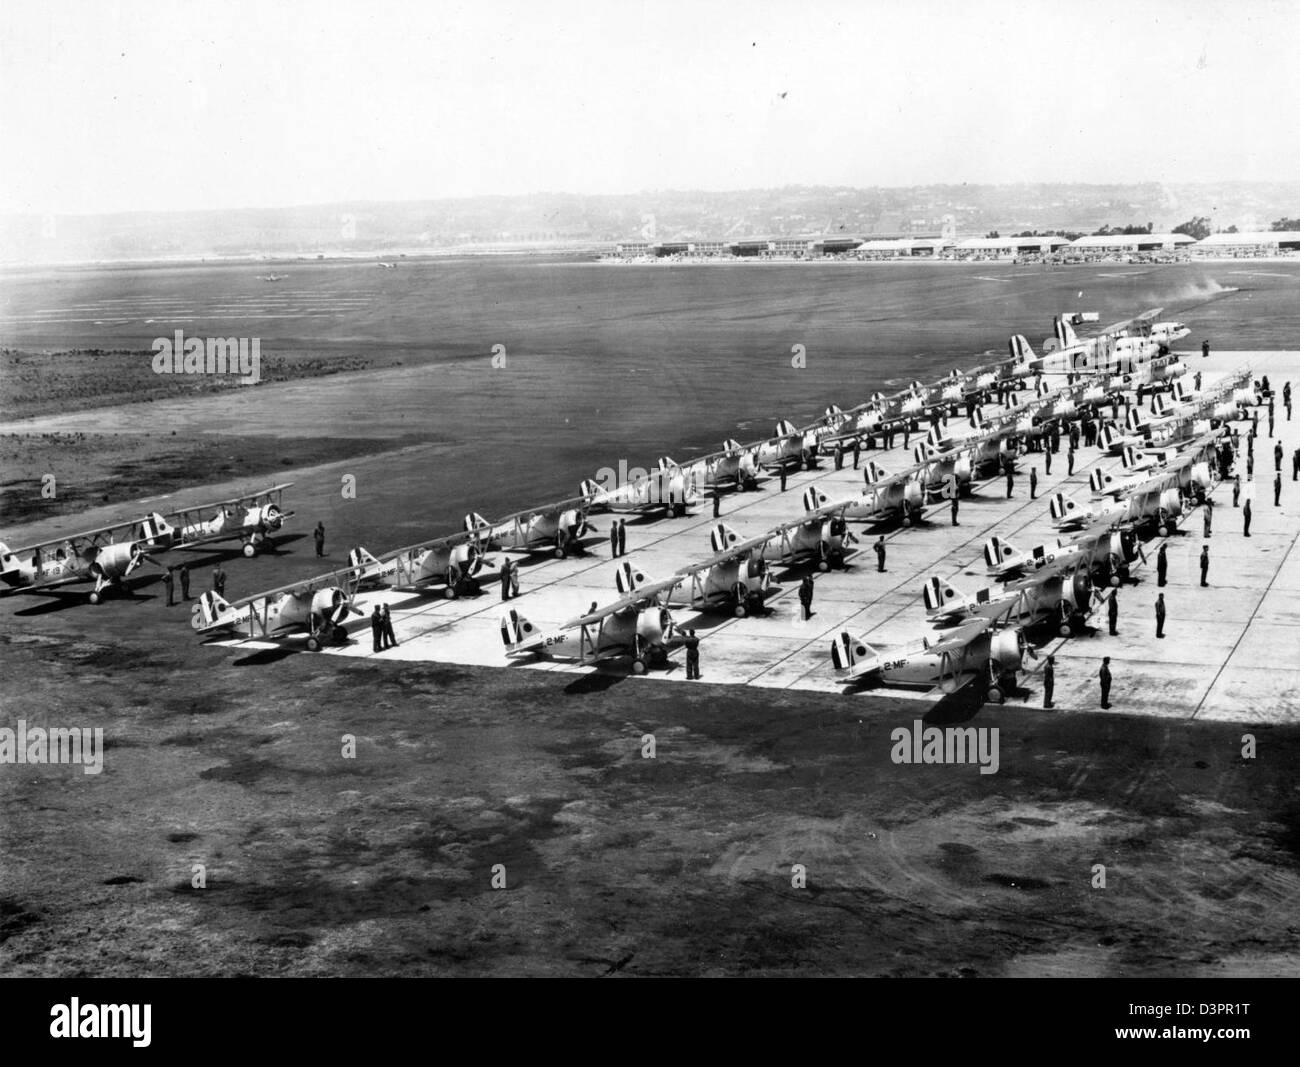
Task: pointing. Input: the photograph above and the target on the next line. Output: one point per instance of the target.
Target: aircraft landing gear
(313, 643)
(249, 549)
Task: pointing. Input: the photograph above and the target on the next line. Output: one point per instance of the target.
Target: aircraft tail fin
(814, 498)
(940, 596)
(846, 654)
(589, 488)
(518, 634)
(156, 531)
(873, 472)
(628, 579)
(1065, 335)
(785, 428)
(360, 557)
(1063, 510)
(475, 522)
(209, 611)
(731, 445)
(723, 537)
(1097, 479)
(1021, 350)
(998, 551)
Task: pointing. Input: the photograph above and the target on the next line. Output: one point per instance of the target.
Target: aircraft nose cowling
(326, 600)
(272, 517)
(1082, 589)
(1008, 650)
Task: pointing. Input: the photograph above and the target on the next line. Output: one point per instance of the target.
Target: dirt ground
(681, 864)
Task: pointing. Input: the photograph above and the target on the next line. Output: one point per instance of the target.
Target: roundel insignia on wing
(528, 627)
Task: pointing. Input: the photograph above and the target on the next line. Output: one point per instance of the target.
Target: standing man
(1295, 465)
(505, 579)
(185, 581)
(1208, 516)
(783, 477)
(692, 656)
(1286, 400)
(1236, 484)
(880, 554)
(1270, 416)
(1033, 482)
(839, 457)
(1009, 479)
(613, 539)
(1112, 611)
(857, 452)
(954, 510)
(1245, 515)
(1103, 676)
(390, 638)
(377, 629)
(319, 535)
(1162, 565)
(622, 540)
(1205, 349)
(1160, 614)
(717, 503)
(1049, 681)
(1250, 465)
(1197, 380)
(169, 583)
(1069, 460)
(806, 597)
(218, 581)
(1047, 461)
(1277, 489)
(514, 580)
(1205, 563)
(1277, 456)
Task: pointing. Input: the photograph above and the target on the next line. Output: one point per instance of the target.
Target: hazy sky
(126, 106)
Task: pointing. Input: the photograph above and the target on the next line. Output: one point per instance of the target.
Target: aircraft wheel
(740, 611)
(907, 520)
(1162, 531)
(1114, 580)
(450, 592)
(996, 696)
(313, 643)
(638, 666)
(823, 564)
(1064, 629)
(250, 549)
(95, 598)
(559, 552)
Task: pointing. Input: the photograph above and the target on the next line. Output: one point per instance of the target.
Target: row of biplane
(1167, 455)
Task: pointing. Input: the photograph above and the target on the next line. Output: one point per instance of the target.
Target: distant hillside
(557, 219)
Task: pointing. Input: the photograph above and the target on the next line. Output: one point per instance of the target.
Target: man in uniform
(717, 503)
(1112, 611)
(1162, 564)
(1236, 486)
(1009, 479)
(1103, 676)
(1205, 563)
(319, 535)
(1207, 510)
(1047, 461)
(506, 567)
(857, 452)
(1295, 465)
(1205, 349)
(783, 477)
(218, 581)
(613, 539)
(390, 638)
(1277, 489)
(1069, 460)
(692, 656)
(1049, 681)
(880, 554)
(839, 457)
(622, 538)
(806, 597)
(1033, 483)
(1245, 515)
(377, 629)
(1160, 615)
(169, 583)
(954, 510)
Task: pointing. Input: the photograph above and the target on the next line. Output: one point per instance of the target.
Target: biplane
(317, 607)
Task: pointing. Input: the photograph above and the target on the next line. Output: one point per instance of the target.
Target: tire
(1064, 629)
(823, 564)
(559, 552)
(638, 666)
(95, 598)
(907, 520)
(249, 549)
(740, 611)
(313, 643)
(1162, 531)
(996, 696)
(450, 592)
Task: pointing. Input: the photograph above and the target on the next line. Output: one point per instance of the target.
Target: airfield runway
(1224, 656)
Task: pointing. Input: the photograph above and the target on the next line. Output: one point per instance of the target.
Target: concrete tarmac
(1229, 651)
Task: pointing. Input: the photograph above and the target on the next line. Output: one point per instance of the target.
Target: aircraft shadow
(263, 656)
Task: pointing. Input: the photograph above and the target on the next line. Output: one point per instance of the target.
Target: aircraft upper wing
(347, 576)
(727, 554)
(957, 639)
(449, 541)
(246, 498)
(1141, 322)
(580, 503)
(93, 536)
(636, 599)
